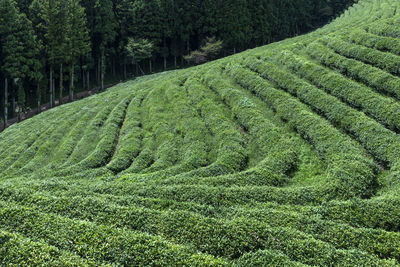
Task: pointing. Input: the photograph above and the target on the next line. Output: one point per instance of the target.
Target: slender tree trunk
(141, 70)
(84, 80)
(125, 75)
(51, 87)
(61, 85)
(103, 70)
(175, 64)
(54, 92)
(88, 79)
(20, 104)
(234, 50)
(113, 67)
(38, 94)
(151, 67)
(13, 102)
(165, 63)
(98, 70)
(71, 85)
(137, 69)
(82, 72)
(5, 103)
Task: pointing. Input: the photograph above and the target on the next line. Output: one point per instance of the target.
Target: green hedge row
(351, 173)
(130, 138)
(384, 244)
(16, 136)
(106, 244)
(343, 236)
(70, 140)
(266, 258)
(383, 212)
(34, 155)
(162, 147)
(379, 141)
(205, 233)
(229, 141)
(384, 109)
(382, 43)
(269, 137)
(376, 78)
(384, 29)
(51, 143)
(188, 129)
(16, 250)
(383, 60)
(92, 133)
(107, 143)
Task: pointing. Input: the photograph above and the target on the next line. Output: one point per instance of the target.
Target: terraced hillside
(286, 155)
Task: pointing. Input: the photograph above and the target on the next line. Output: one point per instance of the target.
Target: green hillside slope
(285, 155)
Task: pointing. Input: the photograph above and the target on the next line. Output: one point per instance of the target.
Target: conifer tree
(78, 43)
(18, 51)
(138, 50)
(104, 32)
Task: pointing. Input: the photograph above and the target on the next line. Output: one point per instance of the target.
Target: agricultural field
(284, 155)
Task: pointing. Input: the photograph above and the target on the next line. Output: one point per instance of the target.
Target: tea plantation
(285, 155)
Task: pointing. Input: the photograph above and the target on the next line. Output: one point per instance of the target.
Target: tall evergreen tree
(104, 32)
(78, 43)
(18, 51)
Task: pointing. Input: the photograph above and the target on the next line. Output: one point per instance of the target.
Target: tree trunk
(103, 70)
(151, 67)
(5, 103)
(61, 85)
(98, 70)
(51, 87)
(71, 85)
(137, 69)
(20, 104)
(82, 72)
(54, 92)
(84, 80)
(113, 67)
(88, 79)
(13, 103)
(165, 63)
(38, 97)
(175, 64)
(125, 75)
(141, 70)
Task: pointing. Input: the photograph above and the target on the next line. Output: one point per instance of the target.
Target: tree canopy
(46, 44)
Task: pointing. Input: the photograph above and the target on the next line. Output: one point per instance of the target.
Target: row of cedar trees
(46, 45)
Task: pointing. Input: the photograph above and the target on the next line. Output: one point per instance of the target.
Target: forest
(50, 49)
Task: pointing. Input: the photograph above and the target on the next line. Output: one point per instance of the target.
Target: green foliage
(285, 155)
(139, 50)
(209, 51)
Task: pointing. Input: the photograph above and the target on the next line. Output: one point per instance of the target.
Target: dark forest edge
(50, 49)
(29, 113)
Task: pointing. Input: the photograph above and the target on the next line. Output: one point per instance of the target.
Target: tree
(8, 47)
(138, 50)
(36, 16)
(104, 32)
(50, 20)
(209, 51)
(18, 51)
(78, 43)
